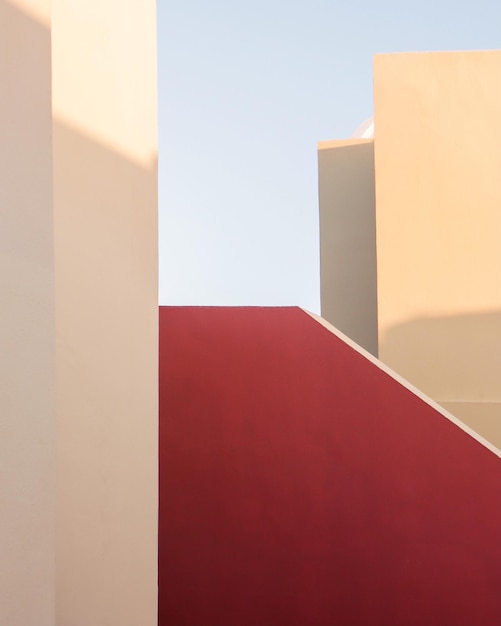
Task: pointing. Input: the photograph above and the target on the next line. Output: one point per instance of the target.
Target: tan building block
(105, 206)
(27, 333)
(79, 314)
(348, 239)
(438, 215)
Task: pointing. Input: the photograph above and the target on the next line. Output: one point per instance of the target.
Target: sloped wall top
(301, 485)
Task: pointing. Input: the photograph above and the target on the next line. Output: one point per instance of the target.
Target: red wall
(302, 486)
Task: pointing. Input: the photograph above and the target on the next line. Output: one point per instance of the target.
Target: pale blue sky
(246, 89)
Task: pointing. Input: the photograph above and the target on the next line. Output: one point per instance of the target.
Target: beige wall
(348, 239)
(105, 206)
(79, 314)
(438, 214)
(27, 350)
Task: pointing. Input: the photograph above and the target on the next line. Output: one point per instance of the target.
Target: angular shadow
(348, 239)
(456, 360)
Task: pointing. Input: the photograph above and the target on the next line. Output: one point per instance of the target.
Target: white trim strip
(405, 383)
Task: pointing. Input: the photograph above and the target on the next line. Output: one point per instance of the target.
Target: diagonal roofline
(405, 383)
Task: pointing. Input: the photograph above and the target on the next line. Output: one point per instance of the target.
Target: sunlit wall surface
(79, 313)
(105, 206)
(438, 220)
(301, 484)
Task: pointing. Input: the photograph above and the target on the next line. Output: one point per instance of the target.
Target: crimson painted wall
(302, 486)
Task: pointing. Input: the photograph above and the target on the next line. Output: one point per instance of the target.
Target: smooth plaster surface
(78, 338)
(303, 484)
(348, 238)
(27, 333)
(105, 207)
(438, 217)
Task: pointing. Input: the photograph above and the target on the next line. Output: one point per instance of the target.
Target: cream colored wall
(79, 315)
(105, 206)
(438, 214)
(348, 239)
(27, 350)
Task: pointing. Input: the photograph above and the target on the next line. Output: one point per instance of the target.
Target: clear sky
(246, 89)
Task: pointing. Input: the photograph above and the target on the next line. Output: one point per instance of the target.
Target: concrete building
(78, 331)
(348, 280)
(437, 215)
(345, 482)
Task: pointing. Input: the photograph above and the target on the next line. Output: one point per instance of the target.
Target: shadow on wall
(451, 359)
(105, 209)
(107, 380)
(348, 240)
(27, 350)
